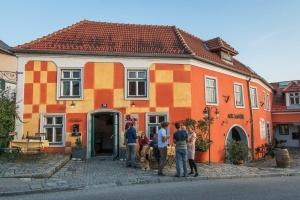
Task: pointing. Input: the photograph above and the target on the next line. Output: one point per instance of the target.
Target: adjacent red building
(286, 112)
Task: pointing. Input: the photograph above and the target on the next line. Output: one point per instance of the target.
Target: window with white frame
(226, 56)
(269, 133)
(136, 83)
(53, 126)
(210, 90)
(238, 95)
(70, 83)
(268, 102)
(264, 100)
(153, 123)
(253, 97)
(294, 98)
(283, 129)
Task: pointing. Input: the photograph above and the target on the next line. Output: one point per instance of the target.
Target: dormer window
(295, 98)
(221, 48)
(226, 56)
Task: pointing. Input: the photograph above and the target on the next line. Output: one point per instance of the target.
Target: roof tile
(293, 86)
(217, 43)
(101, 37)
(279, 100)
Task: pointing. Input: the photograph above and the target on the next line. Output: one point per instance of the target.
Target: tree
(201, 129)
(8, 114)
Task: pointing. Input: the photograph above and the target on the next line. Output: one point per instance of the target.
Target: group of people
(184, 138)
(130, 142)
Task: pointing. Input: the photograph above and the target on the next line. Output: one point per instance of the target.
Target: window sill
(56, 144)
(76, 134)
(137, 98)
(69, 98)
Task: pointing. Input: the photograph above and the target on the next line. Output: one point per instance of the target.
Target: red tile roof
(279, 102)
(100, 37)
(293, 86)
(217, 44)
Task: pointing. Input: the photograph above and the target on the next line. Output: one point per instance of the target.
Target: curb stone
(171, 179)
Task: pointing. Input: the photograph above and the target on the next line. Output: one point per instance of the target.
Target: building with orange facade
(111, 73)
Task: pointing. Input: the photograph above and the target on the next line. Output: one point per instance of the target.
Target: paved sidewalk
(57, 172)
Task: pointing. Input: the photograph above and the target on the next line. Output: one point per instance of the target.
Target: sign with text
(236, 116)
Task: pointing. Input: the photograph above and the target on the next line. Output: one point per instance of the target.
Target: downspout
(299, 134)
(251, 117)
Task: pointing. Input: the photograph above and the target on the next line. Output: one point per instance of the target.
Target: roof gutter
(101, 54)
(237, 71)
(251, 117)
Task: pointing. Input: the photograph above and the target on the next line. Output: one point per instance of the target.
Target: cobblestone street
(58, 172)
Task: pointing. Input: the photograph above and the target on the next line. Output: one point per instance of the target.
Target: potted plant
(202, 144)
(78, 152)
(203, 141)
(237, 152)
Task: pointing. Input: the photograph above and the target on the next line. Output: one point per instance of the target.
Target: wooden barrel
(282, 157)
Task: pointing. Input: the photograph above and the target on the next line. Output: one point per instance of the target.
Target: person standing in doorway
(162, 142)
(191, 150)
(180, 139)
(130, 140)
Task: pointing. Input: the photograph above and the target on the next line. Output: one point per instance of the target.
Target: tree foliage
(8, 114)
(201, 126)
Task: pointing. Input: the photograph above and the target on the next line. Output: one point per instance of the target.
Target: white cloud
(271, 35)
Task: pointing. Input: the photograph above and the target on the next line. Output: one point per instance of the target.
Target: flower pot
(200, 156)
(79, 153)
(238, 162)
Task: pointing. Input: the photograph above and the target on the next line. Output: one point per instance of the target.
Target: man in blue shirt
(180, 139)
(130, 141)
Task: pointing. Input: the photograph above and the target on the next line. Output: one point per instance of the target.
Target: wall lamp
(72, 104)
(227, 98)
(207, 112)
(225, 122)
(132, 104)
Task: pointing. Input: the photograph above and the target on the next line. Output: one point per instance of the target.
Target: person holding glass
(162, 142)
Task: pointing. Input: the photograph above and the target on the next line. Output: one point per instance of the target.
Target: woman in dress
(143, 140)
(191, 150)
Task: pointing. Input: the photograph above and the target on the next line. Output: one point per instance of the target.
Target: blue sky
(264, 32)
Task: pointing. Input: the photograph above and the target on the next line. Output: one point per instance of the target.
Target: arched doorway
(238, 133)
(103, 130)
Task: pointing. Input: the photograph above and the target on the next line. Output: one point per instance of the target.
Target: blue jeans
(130, 155)
(181, 154)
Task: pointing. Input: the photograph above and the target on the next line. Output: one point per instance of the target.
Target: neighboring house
(8, 71)
(286, 112)
(92, 77)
